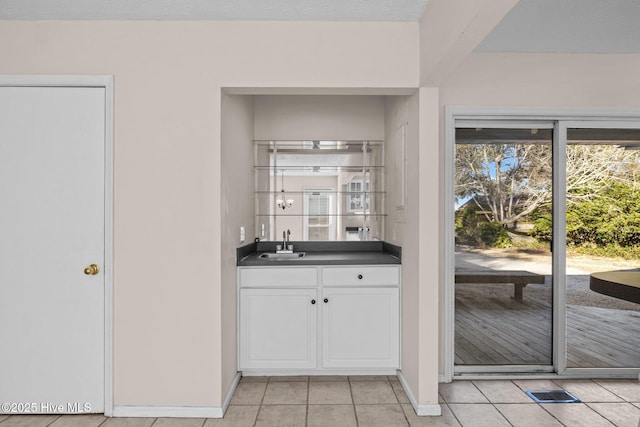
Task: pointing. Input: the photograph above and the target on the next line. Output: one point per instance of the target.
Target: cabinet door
(360, 327)
(278, 328)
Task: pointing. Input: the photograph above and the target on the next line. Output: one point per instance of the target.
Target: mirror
(320, 190)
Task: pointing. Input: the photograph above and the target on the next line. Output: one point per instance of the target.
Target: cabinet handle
(313, 301)
(360, 276)
(326, 300)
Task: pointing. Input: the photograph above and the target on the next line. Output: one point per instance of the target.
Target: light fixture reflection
(283, 201)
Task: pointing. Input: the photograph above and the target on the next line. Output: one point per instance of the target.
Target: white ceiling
(568, 26)
(222, 10)
(548, 26)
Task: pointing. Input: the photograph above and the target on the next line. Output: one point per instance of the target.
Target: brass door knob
(92, 270)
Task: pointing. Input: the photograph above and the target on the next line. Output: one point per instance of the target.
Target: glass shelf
(321, 191)
(354, 168)
(340, 145)
(353, 214)
(335, 187)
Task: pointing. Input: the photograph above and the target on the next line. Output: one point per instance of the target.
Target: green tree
(510, 181)
(471, 229)
(505, 181)
(609, 218)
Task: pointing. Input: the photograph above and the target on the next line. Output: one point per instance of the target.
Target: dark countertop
(323, 253)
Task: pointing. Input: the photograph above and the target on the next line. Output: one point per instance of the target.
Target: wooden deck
(506, 331)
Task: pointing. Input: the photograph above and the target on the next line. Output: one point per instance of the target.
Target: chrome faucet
(285, 242)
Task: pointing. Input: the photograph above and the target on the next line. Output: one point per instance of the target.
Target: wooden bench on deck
(519, 278)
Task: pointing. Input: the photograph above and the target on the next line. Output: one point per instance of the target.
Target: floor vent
(552, 396)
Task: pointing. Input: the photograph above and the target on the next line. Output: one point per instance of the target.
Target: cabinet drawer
(278, 277)
(361, 276)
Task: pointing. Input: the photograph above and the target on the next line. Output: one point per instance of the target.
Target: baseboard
(432, 410)
(168, 411)
(232, 389)
(316, 372)
(179, 411)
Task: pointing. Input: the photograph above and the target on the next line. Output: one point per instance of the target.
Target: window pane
(318, 233)
(319, 221)
(503, 283)
(603, 248)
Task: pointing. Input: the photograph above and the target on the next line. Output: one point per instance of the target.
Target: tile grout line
(450, 410)
(444, 402)
(452, 413)
(593, 382)
(261, 402)
(54, 420)
(491, 403)
(500, 412)
(353, 402)
(601, 414)
(398, 399)
(611, 391)
(306, 415)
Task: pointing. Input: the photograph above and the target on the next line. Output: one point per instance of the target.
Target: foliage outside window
(500, 185)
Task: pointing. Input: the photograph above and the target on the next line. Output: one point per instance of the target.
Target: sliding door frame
(518, 116)
(564, 125)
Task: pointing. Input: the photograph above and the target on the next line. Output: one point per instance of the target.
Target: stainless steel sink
(277, 256)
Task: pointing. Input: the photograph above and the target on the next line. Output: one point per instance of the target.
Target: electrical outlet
(242, 236)
(262, 231)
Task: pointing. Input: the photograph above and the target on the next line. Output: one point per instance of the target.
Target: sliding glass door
(602, 188)
(546, 230)
(503, 263)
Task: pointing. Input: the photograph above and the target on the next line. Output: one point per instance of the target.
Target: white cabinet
(317, 318)
(278, 328)
(360, 327)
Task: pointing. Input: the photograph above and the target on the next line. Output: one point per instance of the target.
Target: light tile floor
(380, 401)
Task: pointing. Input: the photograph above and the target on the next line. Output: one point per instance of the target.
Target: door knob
(92, 270)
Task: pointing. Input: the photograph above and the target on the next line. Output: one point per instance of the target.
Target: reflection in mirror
(320, 190)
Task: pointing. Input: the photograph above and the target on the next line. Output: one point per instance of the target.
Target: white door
(52, 148)
(360, 328)
(278, 328)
